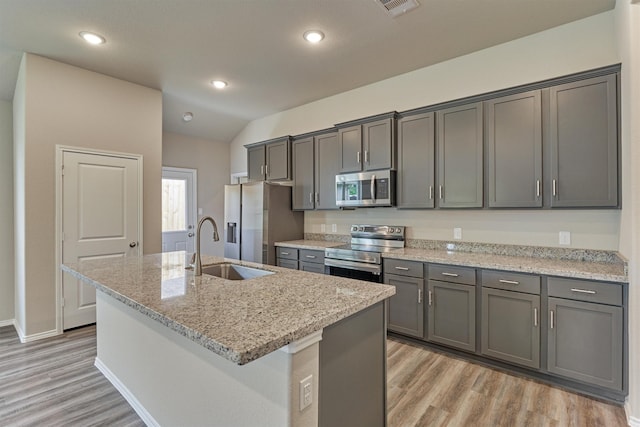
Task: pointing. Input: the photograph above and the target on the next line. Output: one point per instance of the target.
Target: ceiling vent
(398, 7)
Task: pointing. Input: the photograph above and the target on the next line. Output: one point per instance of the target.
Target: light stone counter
(238, 320)
(318, 245)
(606, 271)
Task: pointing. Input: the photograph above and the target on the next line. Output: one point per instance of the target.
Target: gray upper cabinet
(350, 140)
(513, 126)
(303, 192)
(270, 160)
(327, 166)
(368, 146)
(583, 135)
(416, 160)
(255, 163)
(460, 156)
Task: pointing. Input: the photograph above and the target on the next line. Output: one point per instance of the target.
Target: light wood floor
(53, 382)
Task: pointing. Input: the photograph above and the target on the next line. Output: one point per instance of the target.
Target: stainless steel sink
(234, 272)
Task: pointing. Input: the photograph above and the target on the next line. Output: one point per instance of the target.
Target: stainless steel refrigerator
(256, 215)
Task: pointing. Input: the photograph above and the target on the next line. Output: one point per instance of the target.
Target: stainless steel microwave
(366, 189)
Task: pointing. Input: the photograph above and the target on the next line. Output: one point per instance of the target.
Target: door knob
(190, 235)
(133, 244)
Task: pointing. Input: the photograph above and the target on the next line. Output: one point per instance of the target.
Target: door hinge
(63, 236)
(62, 170)
(62, 302)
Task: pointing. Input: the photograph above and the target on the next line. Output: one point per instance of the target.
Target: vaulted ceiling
(179, 46)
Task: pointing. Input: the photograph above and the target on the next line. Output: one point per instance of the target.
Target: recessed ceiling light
(187, 117)
(92, 38)
(313, 36)
(218, 84)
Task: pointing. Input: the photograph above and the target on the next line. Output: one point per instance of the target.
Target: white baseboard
(10, 322)
(632, 421)
(128, 396)
(34, 337)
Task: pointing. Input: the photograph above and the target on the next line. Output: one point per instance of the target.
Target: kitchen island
(187, 350)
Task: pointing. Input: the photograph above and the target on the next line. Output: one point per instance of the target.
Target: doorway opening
(179, 209)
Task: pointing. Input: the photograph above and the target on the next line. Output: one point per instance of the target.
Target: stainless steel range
(362, 258)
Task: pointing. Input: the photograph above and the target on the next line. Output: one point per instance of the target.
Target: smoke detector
(398, 7)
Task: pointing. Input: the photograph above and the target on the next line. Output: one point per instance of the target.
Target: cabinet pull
(419, 296)
(537, 188)
(402, 268)
(261, 169)
(583, 291)
(310, 256)
(311, 198)
(366, 156)
(430, 298)
(554, 189)
(551, 320)
(284, 253)
(430, 192)
(535, 317)
(450, 274)
(509, 282)
(317, 198)
(440, 192)
(358, 157)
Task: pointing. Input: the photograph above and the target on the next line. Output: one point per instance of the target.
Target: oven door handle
(351, 265)
(373, 188)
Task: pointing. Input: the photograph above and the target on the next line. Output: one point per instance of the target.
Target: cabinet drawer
(506, 280)
(585, 290)
(307, 255)
(288, 263)
(311, 267)
(287, 253)
(404, 268)
(448, 273)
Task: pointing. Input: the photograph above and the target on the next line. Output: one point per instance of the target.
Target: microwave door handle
(373, 188)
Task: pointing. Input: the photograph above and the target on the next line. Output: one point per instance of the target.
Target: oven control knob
(394, 230)
(354, 228)
(360, 228)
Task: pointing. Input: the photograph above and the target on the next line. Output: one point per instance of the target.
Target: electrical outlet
(323, 228)
(457, 233)
(306, 392)
(564, 238)
(334, 228)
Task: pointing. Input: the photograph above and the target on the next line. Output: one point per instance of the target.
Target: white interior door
(179, 203)
(101, 199)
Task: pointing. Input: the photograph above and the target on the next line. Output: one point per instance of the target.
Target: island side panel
(353, 373)
(178, 382)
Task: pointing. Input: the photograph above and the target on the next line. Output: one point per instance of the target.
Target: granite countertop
(238, 320)
(318, 245)
(606, 271)
(588, 265)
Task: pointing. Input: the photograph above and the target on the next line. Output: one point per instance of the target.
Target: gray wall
(57, 104)
(6, 212)
(211, 160)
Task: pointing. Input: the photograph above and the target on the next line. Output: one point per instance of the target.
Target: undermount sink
(234, 272)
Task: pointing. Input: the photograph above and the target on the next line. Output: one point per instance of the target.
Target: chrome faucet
(195, 259)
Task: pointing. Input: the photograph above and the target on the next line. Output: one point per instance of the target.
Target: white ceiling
(178, 46)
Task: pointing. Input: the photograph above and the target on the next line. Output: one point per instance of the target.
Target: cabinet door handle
(430, 298)
(583, 291)
(311, 198)
(430, 192)
(450, 274)
(310, 256)
(551, 320)
(366, 156)
(284, 253)
(509, 282)
(441, 192)
(358, 157)
(261, 169)
(554, 188)
(535, 317)
(537, 188)
(419, 296)
(266, 170)
(317, 198)
(402, 268)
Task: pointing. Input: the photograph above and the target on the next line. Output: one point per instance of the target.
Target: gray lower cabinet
(300, 259)
(511, 327)
(287, 257)
(452, 315)
(460, 156)
(586, 333)
(513, 126)
(406, 308)
(583, 134)
(416, 161)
